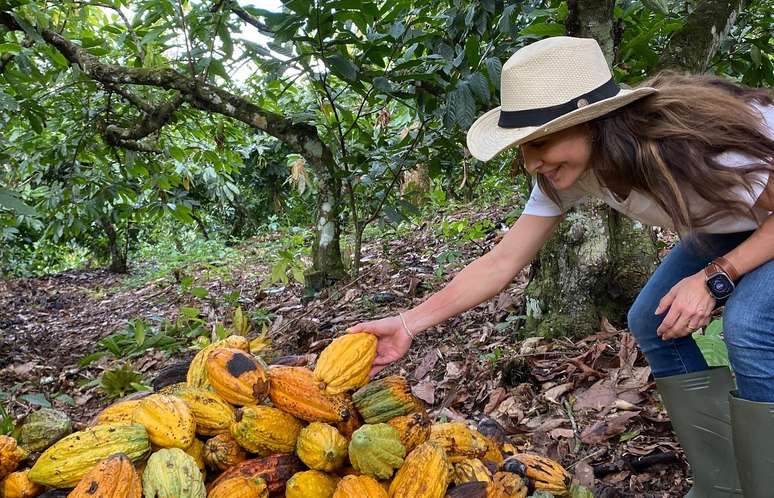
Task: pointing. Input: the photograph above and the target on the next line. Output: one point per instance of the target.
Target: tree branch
(250, 19)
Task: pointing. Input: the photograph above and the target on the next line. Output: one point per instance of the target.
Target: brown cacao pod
(240, 487)
(239, 377)
(376, 450)
(425, 474)
(414, 429)
(197, 372)
(546, 474)
(168, 420)
(274, 469)
(265, 430)
(471, 470)
(384, 399)
(11, 455)
(311, 484)
(507, 485)
(459, 440)
(353, 486)
(344, 365)
(321, 447)
(352, 423)
(171, 472)
(213, 415)
(18, 485)
(294, 390)
(475, 489)
(223, 451)
(113, 477)
(64, 463)
(43, 428)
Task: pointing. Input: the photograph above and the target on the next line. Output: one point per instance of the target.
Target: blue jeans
(748, 318)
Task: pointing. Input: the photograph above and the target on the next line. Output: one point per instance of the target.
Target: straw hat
(545, 87)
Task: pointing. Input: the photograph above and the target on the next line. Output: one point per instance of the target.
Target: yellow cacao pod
(294, 390)
(321, 447)
(18, 485)
(352, 486)
(265, 430)
(471, 470)
(414, 429)
(223, 451)
(376, 450)
(311, 484)
(69, 459)
(113, 477)
(197, 372)
(545, 473)
(11, 455)
(120, 412)
(240, 487)
(425, 473)
(167, 419)
(344, 365)
(459, 440)
(196, 451)
(506, 485)
(213, 415)
(239, 377)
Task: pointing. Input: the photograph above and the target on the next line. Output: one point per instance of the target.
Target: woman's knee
(641, 319)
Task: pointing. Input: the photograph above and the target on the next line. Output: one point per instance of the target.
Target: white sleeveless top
(644, 208)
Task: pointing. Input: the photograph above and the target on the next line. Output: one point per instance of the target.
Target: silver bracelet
(405, 327)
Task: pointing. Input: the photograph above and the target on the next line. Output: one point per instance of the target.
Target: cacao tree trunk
(598, 260)
(117, 256)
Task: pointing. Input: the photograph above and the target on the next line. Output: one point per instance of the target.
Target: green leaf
(480, 87)
(199, 292)
(11, 201)
(657, 5)
(139, 332)
(494, 68)
(343, 67)
(382, 84)
(89, 359)
(543, 29)
(711, 344)
(580, 491)
(38, 399)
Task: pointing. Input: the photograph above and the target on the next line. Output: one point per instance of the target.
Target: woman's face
(561, 157)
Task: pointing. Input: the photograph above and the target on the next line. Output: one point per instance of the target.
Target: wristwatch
(720, 276)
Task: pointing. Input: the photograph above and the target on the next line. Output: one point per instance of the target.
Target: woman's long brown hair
(666, 143)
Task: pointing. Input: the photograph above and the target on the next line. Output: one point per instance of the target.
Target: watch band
(726, 267)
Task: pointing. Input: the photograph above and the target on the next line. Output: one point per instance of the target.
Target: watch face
(720, 286)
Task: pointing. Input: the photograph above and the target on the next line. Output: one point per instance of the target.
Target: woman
(689, 153)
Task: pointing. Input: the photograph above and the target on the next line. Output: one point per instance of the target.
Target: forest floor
(591, 404)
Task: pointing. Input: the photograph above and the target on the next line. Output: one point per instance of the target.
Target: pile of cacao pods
(238, 428)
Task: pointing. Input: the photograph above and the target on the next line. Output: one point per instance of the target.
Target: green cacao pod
(376, 450)
(172, 473)
(43, 428)
(64, 463)
(387, 398)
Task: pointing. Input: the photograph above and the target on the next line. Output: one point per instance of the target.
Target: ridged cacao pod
(507, 485)
(321, 447)
(197, 372)
(352, 423)
(43, 428)
(508, 449)
(359, 487)
(171, 472)
(11, 455)
(384, 399)
(274, 469)
(459, 440)
(546, 474)
(213, 415)
(223, 451)
(120, 412)
(476, 489)
(294, 390)
(311, 484)
(265, 430)
(168, 420)
(376, 450)
(18, 485)
(425, 474)
(113, 477)
(471, 470)
(344, 365)
(196, 450)
(69, 459)
(240, 487)
(239, 377)
(414, 429)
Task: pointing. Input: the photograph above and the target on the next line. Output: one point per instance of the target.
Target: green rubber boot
(697, 403)
(752, 424)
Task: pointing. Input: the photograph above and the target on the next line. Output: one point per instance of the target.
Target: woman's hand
(393, 343)
(690, 305)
